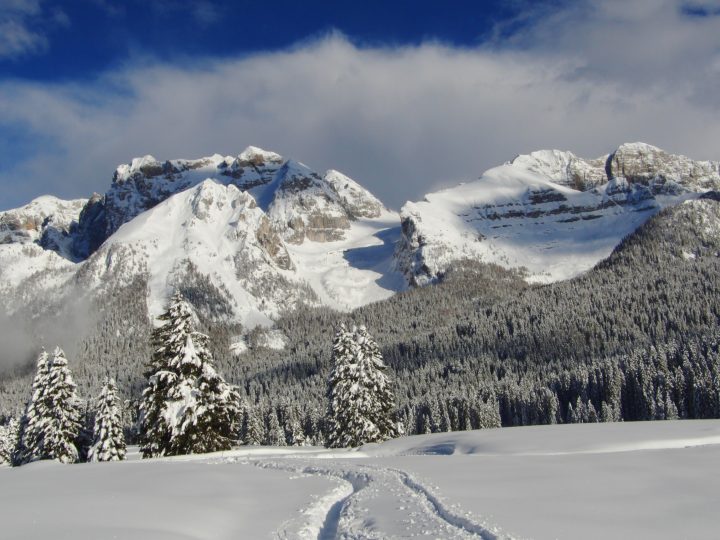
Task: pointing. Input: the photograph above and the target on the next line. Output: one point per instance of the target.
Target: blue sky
(403, 96)
(80, 38)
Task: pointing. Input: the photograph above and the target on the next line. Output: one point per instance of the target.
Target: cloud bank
(400, 120)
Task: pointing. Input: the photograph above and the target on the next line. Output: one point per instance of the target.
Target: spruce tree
(274, 433)
(187, 407)
(382, 412)
(108, 440)
(360, 401)
(51, 422)
(30, 442)
(251, 432)
(8, 441)
(62, 422)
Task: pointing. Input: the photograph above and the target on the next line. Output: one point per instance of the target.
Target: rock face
(355, 198)
(643, 164)
(306, 206)
(550, 213)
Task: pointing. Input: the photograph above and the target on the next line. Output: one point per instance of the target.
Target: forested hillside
(634, 338)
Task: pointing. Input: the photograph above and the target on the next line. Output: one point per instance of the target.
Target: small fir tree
(51, 423)
(360, 401)
(62, 423)
(108, 440)
(8, 441)
(274, 433)
(29, 443)
(252, 429)
(187, 407)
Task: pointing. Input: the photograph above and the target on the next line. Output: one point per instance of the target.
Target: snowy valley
(634, 480)
(551, 290)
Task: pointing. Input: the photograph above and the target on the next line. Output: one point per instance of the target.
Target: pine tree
(8, 441)
(274, 433)
(51, 423)
(30, 443)
(360, 401)
(252, 430)
(187, 407)
(374, 370)
(62, 424)
(108, 440)
(294, 434)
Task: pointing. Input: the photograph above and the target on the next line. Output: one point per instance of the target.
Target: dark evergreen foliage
(187, 407)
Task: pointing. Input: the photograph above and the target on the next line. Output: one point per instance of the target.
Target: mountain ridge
(296, 237)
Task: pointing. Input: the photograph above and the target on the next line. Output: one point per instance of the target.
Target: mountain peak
(254, 154)
(638, 147)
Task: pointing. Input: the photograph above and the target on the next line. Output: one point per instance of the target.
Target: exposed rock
(358, 201)
(306, 206)
(645, 164)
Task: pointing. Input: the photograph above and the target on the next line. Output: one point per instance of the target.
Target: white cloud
(17, 36)
(399, 120)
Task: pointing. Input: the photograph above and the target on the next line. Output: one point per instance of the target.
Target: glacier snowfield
(626, 480)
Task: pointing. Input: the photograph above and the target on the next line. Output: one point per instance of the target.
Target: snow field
(626, 480)
(151, 500)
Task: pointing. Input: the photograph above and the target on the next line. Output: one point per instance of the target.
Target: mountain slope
(549, 212)
(248, 237)
(35, 239)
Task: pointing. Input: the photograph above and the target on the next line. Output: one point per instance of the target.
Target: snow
(350, 273)
(221, 230)
(151, 500)
(20, 230)
(626, 480)
(501, 218)
(271, 339)
(238, 346)
(253, 152)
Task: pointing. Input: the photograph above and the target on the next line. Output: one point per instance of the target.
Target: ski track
(373, 502)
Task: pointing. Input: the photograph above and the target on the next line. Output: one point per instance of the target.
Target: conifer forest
(636, 338)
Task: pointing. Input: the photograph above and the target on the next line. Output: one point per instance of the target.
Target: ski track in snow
(373, 502)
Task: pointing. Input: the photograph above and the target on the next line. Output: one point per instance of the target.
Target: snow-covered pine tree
(62, 424)
(187, 407)
(344, 419)
(108, 440)
(29, 443)
(360, 401)
(8, 441)
(274, 433)
(251, 432)
(51, 422)
(294, 434)
(375, 377)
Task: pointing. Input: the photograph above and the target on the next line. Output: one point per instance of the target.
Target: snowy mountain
(246, 237)
(251, 236)
(549, 212)
(36, 238)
